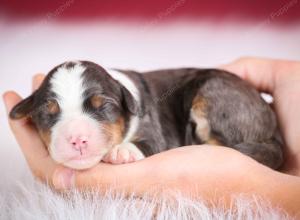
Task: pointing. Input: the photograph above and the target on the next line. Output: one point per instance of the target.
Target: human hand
(281, 79)
(161, 166)
(209, 172)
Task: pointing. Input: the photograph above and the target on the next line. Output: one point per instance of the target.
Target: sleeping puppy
(85, 114)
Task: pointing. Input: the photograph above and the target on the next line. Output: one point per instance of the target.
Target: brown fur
(199, 115)
(96, 101)
(115, 131)
(52, 107)
(214, 142)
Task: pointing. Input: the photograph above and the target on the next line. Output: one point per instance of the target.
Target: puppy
(85, 114)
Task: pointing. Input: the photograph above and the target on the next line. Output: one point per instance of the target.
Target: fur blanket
(29, 199)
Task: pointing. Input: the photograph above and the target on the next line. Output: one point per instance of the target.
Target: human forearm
(282, 190)
(212, 174)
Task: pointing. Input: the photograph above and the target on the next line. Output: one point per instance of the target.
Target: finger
(25, 134)
(37, 81)
(117, 177)
(121, 177)
(29, 141)
(150, 173)
(262, 73)
(102, 177)
(11, 99)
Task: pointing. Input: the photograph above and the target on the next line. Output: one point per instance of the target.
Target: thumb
(261, 73)
(101, 177)
(63, 178)
(10, 99)
(37, 81)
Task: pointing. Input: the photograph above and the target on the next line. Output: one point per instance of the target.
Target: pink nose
(79, 142)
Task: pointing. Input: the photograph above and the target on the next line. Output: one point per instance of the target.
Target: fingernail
(64, 179)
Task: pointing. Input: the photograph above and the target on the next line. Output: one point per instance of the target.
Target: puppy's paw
(123, 153)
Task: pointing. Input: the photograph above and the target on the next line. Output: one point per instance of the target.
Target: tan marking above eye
(96, 101)
(52, 107)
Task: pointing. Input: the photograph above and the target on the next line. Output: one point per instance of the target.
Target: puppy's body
(205, 106)
(155, 111)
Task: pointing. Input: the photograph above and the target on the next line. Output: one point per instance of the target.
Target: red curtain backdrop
(277, 10)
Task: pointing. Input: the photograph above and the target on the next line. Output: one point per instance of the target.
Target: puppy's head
(80, 113)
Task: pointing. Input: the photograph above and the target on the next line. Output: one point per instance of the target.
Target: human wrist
(281, 190)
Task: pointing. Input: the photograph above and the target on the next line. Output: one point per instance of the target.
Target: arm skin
(207, 172)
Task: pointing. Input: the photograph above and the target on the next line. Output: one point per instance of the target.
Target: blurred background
(37, 35)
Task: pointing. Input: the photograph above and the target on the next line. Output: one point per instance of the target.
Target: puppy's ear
(129, 103)
(22, 109)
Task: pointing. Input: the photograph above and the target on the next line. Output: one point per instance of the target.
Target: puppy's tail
(268, 152)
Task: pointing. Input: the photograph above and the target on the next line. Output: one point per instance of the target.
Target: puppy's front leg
(123, 153)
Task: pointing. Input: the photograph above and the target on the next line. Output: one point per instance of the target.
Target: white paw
(123, 153)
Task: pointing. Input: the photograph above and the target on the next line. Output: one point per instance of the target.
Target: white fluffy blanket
(32, 200)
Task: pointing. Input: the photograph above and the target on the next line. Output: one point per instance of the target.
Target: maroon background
(80, 9)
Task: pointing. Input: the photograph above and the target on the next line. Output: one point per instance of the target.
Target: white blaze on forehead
(67, 84)
(126, 82)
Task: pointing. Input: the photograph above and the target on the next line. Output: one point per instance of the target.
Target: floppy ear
(129, 102)
(22, 109)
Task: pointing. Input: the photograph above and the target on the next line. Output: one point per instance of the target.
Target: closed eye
(108, 106)
(111, 101)
(101, 102)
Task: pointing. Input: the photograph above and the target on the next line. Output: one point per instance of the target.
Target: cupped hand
(167, 169)
(209, 172)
